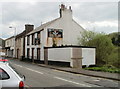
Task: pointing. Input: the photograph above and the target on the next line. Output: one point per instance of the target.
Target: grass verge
(104, 69)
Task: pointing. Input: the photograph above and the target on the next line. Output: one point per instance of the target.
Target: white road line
(18, 65)
(34, 71)
(29, 69)
(73, 82)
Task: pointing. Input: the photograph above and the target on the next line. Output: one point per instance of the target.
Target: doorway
(38, 53)
(17, 53)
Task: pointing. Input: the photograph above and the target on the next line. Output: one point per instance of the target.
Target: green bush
(104, 69)
(114, 60)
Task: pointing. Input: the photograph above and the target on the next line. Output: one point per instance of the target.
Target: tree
(102, 43)
(118, 41)
(113, 40)
(114, 59)
(86, 36)
(115, 37)
(104, 48)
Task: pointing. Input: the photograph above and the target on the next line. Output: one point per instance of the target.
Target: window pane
(3, 75)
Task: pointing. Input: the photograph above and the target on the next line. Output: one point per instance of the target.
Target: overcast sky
(97, 16)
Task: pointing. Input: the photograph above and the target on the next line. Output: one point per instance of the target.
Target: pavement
(113, 76)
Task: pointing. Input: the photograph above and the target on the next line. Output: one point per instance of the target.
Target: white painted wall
(30, 46)
(26, 46)
(65, 55)
(71, 31)
(43, 43)
(59, 54)
(35, 53)
(21, 47)
(10, 43)
(88, 55)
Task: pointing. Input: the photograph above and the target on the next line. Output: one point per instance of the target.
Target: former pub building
(61, 31)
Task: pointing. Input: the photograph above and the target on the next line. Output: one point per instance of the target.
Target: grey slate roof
(10, 37)
(42, 26)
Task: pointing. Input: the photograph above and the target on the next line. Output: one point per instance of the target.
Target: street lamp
(14, 31)
(14, 40)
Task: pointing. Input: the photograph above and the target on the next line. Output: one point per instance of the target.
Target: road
(37, 76)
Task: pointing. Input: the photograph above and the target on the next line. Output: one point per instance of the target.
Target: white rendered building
(58, 32)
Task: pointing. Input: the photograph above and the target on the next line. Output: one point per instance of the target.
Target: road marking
(73, 82)
(18, 65)
(29, 69)
(34, 71)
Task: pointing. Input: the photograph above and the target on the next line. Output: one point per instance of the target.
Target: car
(2, 54)
(9, 77)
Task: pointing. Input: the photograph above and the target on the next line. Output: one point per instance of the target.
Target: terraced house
(2, 47)
(10, 46)
(63, 30)
(20, 41)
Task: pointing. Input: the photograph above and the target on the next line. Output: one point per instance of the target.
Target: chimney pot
(62, 6)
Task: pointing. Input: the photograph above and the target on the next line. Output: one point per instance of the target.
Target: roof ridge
(49, 22)
(43, 25)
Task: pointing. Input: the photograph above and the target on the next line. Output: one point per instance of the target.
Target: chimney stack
(64, 11)
(28, 28)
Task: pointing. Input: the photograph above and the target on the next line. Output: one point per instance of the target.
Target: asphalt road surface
(37, 76)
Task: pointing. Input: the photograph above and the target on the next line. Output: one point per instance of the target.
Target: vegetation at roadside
(104, 69)
(107, 49)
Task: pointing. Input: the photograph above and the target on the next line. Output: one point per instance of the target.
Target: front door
(38, 53)
(33, 54)
(28, 52)
(17, 53)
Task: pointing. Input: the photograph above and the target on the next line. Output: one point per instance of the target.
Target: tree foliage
(115, 37)
(103, 44)
(86, 36)
(104, 48)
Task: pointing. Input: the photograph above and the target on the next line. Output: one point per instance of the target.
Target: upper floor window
(55, 33)
(38, 35)
(33, 39)
(7, 42)
(28, 40)
(37, 39)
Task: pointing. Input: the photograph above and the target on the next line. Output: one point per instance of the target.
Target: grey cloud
(97, 11)
(106, 29)
(35, 13)
(39, 11)
(27, 12)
